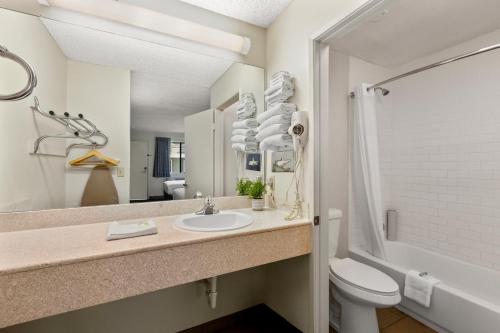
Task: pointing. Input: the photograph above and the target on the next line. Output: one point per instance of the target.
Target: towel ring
(30, 86)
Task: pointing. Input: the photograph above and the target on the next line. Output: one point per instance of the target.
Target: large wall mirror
(161, 116)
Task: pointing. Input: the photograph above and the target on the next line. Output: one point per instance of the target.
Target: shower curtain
(366, 196)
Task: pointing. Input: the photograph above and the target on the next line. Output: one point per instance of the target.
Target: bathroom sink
(216, 222)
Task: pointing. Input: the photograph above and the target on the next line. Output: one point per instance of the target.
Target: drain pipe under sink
(211, 291)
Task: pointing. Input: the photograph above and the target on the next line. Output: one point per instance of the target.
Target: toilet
(358, 288)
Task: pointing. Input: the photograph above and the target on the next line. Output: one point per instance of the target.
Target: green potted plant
(256, 193)
(243, 185)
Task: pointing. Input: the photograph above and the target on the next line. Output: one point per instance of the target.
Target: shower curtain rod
(424, 68)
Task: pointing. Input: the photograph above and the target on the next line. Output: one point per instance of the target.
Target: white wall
(441, 141)
(30, 182)
(155, 185)
(101, 94)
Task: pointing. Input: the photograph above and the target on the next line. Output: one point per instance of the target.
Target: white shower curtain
(366, 196)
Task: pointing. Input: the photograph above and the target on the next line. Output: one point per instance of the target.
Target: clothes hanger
(94, 157)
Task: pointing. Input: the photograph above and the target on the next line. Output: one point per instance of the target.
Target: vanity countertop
(49, 271)
(39, 248)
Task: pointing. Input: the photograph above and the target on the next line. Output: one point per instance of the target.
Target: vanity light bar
(155, 21)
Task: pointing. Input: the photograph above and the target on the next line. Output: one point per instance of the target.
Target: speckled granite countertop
(39, 248)
(44, 272)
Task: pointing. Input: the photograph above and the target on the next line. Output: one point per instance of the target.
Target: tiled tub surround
(44, 272)
(439, 141)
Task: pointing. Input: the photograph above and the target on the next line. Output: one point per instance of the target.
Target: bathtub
(466, 301)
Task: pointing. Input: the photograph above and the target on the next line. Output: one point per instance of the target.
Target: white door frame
(320, 88)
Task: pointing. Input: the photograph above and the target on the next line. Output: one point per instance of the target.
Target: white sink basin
(216, 222)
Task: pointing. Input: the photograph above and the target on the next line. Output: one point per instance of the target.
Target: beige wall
(238, 79)
(30, 182)
(289, 48)
(101, 94)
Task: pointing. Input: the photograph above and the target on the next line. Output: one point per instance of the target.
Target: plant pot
(258, 204)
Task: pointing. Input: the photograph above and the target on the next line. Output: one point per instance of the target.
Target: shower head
(384, 91)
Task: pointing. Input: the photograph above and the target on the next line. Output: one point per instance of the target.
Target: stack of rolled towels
(245, 128)
(274, 123)
(281, 88)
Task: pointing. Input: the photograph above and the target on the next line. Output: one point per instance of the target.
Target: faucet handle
(209, 200)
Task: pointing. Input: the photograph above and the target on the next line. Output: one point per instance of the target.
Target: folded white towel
(285, 119)
(248, 104)
(250, 147)
(246, 123)
(243, 139)
(419, 288)
(280, 108)
(268, 147)
(245, 114)
(245, 131)
(281, 84)
(277, 140)
(272, 130)
(280, 95)
(281, 74)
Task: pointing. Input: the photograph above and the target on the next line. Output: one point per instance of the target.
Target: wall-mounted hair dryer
(299, 129)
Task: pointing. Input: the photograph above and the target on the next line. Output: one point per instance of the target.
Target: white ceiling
(165, 80)
(412, 29)
(258, 12)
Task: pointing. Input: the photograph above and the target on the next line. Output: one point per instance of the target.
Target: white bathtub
(466, 301)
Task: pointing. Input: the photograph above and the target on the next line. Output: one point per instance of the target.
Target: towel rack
(77, 127)
(32, 81)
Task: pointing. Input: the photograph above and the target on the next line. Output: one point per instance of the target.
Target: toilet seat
(363, 282)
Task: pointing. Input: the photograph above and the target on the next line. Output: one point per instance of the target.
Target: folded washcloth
(250, 147)
(280, 108)
(243, 139)
(246, 123)
(284, 119)
(277, 140)
(419, 288)
(272, 130)
(245, 131)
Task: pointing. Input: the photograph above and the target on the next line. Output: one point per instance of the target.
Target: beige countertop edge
(207, 237)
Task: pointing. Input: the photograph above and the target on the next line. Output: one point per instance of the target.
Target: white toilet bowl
(358, 288)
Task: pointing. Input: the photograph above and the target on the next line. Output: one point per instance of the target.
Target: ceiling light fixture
(155, 21)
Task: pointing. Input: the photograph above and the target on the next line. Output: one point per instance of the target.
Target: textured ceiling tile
(165, 80)
(258, 12)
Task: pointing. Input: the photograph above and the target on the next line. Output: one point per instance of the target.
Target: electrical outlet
(120, 172)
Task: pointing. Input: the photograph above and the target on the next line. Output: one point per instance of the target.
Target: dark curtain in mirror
(161, 166)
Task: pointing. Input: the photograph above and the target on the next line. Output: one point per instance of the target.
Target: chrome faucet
(208, 207)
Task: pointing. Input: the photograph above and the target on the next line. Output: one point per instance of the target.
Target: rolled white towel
(247, 104)
(243, 139)
(272, 130)
(277, 140)
(285, 119)
(246, 123)
(419, 288)
(250, 147)
(280, 108)
(245, 131)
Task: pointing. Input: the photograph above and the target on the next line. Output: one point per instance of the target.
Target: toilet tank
(334, 218)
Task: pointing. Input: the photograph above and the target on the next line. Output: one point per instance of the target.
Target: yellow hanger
(94, 157)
